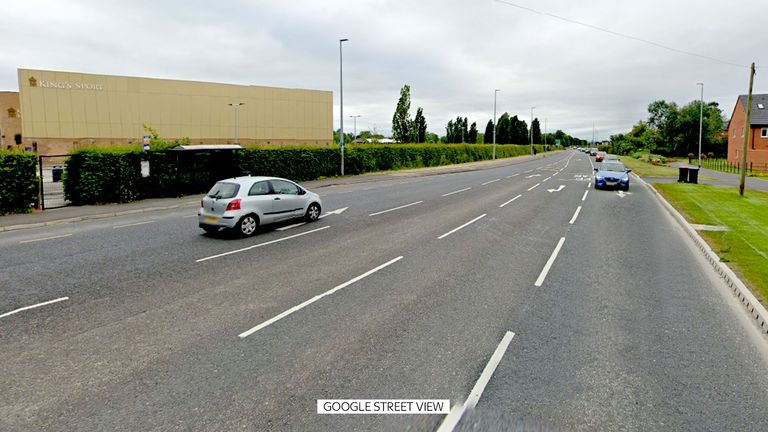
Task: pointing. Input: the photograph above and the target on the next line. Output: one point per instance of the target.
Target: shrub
(18, 181)
(103, 176)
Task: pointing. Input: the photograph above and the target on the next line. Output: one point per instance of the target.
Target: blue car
(612, 175)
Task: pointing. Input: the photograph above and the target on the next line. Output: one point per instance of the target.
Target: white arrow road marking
(533, 175)
(337, 211)
(556, 190)
(622, 194)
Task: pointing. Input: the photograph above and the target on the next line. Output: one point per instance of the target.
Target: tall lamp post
(354, 119)
(495, 92)
(236, 106)
(531, 133)
(701, 118)
(341, 105)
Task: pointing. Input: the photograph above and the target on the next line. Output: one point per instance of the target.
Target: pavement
(718, 178)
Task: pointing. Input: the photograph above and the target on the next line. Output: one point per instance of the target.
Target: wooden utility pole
(747, 132)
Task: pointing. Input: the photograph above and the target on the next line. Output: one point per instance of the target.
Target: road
(618, 323)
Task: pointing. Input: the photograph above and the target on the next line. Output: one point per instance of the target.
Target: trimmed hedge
(18, 181)
(114, 175)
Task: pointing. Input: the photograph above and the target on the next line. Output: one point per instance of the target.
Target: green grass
(646, 169)
(745, 245)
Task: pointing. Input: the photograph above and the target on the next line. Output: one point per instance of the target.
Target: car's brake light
(234, 205)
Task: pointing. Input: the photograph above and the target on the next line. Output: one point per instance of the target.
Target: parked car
(243, 204)
(599, 156)
(612, 175)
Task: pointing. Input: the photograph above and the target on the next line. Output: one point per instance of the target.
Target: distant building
(757, 146)
(58, 112)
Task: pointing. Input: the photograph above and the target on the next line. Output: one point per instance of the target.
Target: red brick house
(757, 146)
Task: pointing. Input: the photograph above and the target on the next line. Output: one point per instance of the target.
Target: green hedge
(114, 175)
(18, 181)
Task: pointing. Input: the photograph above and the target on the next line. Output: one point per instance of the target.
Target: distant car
(593, 152)
(612, 175)
(243, 204)
(599, 156)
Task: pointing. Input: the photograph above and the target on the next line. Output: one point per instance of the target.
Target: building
(60, 112)
(10, 120)
(757, 146)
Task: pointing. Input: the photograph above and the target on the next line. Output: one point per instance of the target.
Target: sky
(453, 53)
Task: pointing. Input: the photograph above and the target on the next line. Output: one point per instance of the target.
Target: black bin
(693, 175)
(682, 174)
(57, 172)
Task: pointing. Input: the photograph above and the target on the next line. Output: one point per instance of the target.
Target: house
(757, 145)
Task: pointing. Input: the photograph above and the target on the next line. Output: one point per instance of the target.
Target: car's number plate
(210, 219)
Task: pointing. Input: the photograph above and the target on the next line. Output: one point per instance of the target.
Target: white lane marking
(549, 263)
(585, 195)
(510, 200)
(489, 182)
(575, 215)
(513, 175)
(528, 171)
(337, 211)
(533, 175)
(396, 208)
(546, 179)
(316, 298)
(455, 192)
(45, 238)
(452, 419)
(261, 244)
(533, 187)
(287, 227)
(456, 229)
(33, 306)
(134, 224)
(189, 216)
(561, 187)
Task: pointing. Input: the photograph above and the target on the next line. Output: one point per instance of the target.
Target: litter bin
(56, 172)
(682, 174)
(693, 175)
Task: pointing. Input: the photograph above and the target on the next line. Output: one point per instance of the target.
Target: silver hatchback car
(244, 203)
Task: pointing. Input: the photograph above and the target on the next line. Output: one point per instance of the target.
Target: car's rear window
(224, 190)
(613, 167)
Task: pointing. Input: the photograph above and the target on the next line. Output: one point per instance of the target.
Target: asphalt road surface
(610, 319)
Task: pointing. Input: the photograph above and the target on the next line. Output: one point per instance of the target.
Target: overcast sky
(453, 53)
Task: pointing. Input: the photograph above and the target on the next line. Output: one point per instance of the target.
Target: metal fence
(51, 174)
(725, 166)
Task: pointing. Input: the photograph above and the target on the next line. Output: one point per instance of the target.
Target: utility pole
(701, 118)
(747, 132)
(354, 139)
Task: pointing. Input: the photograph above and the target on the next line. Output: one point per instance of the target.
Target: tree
(472, 135)
(503, 129)
(401, 121)
(420, 126)
(488, 136)
(536, 131)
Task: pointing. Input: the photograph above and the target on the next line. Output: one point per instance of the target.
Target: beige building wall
(10, 120)
(64, 111)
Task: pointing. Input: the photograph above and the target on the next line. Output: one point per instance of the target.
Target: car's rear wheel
(313, 212)
(247, 225)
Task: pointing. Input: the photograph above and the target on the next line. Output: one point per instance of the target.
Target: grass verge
(646, 169)
(745, 245)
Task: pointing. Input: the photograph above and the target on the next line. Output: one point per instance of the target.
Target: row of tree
(674, 131)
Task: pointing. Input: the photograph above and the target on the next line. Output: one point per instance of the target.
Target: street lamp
(495, 91)
(531, 133)
(701, 118)
(341, 105)
(354, 117)
(235, 106)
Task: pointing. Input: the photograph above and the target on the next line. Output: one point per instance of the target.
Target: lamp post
(236, 106)
(701, 118)
(495, 92)
(341, 105)
(354, 117)
(531, 130)
(545, 134)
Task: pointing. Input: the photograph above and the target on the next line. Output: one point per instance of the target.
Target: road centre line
(501, 206)
(261, 244)
(452, 419)
(456, 229)
(45, 238)
(287, 227)
(33, 306)
(546, 179)
(585, 195)
(455, 192)
(533, 187)
(550, 261)
(528, 171)
(297, 308)
(575, 215)
(396, 208)
(513, 175)
(489, 182)
(134, 224)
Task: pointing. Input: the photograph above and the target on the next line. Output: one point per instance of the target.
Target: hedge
(18, 181)
(114, 175)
